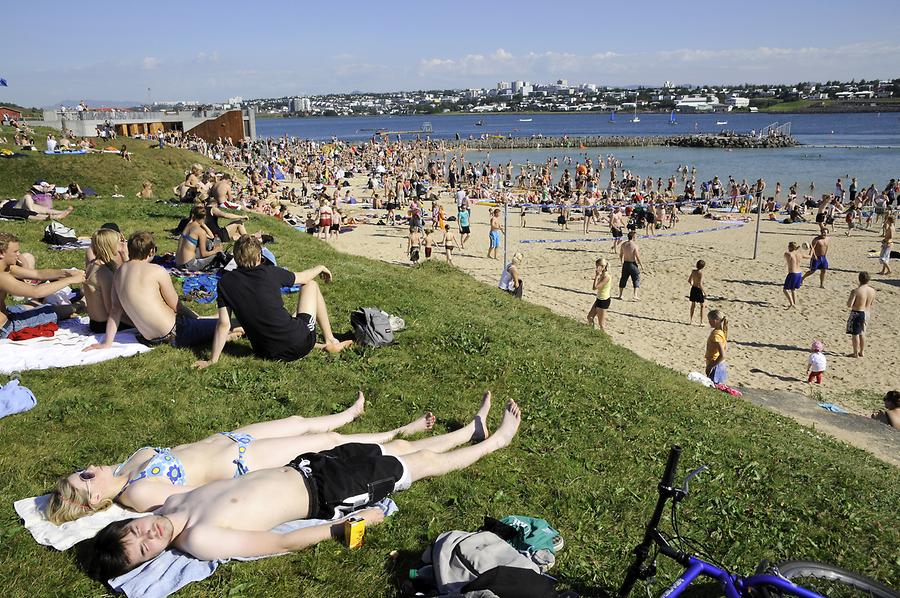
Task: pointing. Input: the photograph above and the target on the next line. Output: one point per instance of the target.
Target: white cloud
(683, 64)
(150, 63)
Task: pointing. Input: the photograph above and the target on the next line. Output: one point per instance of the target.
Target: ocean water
(814, 129)
(866, 146)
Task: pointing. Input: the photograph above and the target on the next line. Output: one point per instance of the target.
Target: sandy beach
(768, 344)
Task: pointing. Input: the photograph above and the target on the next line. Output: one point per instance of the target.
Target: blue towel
(172, 570)
(833, 408)
(15, 398)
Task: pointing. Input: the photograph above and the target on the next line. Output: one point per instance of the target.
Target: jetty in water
(723, 140)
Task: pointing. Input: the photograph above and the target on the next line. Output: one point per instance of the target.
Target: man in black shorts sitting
(253, 292)
(234, 518)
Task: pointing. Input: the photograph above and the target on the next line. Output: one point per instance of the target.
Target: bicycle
(788, 578)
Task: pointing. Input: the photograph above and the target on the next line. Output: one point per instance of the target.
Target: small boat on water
(672, 120)
(480, 123)
(612, 117)
(525, 120)
(721, 122)
(635, 119)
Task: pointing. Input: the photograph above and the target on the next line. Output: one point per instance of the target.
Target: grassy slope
(102, 172)
(597, 424)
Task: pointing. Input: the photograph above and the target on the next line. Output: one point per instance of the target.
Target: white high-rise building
(503, 85)
(300, 105)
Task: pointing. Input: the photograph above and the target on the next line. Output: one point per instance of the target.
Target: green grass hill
(597, 424)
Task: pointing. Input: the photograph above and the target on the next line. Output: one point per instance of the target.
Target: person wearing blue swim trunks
(818, 258)
(494, 235)
(151, 474)
(794, 277)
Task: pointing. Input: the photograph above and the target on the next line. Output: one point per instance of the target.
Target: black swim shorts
(349, 477)
(697, 295)
(630, 270)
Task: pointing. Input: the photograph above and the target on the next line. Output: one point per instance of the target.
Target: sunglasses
(85, 475)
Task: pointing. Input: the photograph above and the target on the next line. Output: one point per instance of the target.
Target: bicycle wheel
(831, 581)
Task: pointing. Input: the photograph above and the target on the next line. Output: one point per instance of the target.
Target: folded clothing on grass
(64, 349)
(15, 398)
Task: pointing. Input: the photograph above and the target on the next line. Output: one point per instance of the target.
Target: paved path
(878, 439)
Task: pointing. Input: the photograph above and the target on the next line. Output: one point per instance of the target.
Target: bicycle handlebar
(642, 550)
(671, 466)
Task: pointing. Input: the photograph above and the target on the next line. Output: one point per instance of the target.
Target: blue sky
(209, 51)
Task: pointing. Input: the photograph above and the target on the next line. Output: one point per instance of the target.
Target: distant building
(300, 105)
(11, 112)
(736, 101)
(503, 85)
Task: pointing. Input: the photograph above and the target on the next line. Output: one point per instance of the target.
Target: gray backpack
(459, 558)
(372, 327)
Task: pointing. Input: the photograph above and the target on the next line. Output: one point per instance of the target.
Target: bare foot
(334, 347)
(357, 408)
(512, 417)
(481, 428)
(235, 334)
(422, 424)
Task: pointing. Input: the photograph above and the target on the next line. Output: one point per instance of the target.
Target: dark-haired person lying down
(233, 518)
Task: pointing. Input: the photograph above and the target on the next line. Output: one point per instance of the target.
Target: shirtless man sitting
(12, 282)
(234, 518)
(818, 257)
(145, 293)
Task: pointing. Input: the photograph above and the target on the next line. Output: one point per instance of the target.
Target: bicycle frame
(734, 587)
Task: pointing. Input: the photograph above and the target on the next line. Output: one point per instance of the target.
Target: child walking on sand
(698, 293)
(413, 242)
(428, 243)
(816, 363)
(603, 285)
(449, 243)
(716, 345)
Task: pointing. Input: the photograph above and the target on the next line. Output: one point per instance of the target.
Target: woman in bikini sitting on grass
(150, 475)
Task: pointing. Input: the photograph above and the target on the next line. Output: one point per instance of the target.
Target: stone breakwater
(711, 140)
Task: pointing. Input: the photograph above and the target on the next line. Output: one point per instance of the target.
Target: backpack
(59, 234)
(372, 327)
(459, 558)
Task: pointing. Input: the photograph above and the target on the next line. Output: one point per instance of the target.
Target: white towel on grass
(67, 535)
(64, 349)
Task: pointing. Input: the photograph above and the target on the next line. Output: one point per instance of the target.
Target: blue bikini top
(162, 464)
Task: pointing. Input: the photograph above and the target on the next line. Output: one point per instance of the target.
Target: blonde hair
(67, 505)
(723, 321)
(105, 245)
(247, 251)
(602, 263)
(517, 259)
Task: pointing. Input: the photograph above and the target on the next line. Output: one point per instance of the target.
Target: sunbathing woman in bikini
(150, 475)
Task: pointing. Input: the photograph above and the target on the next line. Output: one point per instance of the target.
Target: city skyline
(285, 50)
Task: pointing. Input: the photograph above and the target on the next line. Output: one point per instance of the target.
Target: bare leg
(601, 318)
(822, 278)
(428, 464)
(296, 425)
(693, 305)
(862, 344)
(475, 431)
(311, 302)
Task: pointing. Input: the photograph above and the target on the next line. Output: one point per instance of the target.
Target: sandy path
(768, 345)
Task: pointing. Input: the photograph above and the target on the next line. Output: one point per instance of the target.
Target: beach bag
(372, 327)
(59, 234)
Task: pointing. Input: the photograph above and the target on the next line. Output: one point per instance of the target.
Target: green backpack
(533, 534)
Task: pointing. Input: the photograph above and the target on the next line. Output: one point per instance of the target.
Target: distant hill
(96, 103)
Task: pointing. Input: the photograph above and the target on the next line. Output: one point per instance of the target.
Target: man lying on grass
(253, 292)
(12, 282)
(233, 518)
